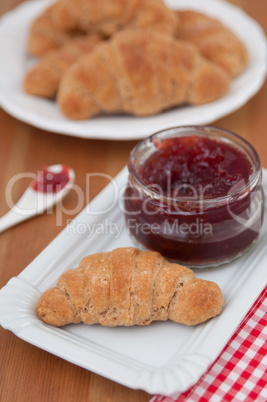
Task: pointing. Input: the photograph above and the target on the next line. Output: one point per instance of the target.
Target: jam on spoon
(52, 180)
(50, 186)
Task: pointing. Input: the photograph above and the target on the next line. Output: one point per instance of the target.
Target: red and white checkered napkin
(240, 372)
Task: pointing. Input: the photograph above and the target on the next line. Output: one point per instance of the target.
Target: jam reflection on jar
(194, 194)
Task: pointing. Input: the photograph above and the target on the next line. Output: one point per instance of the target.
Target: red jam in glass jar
(194, 194)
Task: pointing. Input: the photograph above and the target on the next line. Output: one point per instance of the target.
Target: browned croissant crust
(109, 16)
(139, 74)
(68, 18)
(214, 40)
(45, 35)
(129, 287)
(43, 79)
(102, 16)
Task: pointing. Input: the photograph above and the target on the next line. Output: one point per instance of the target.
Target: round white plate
(44, 114)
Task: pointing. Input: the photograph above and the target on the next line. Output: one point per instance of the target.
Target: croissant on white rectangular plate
(127, 287)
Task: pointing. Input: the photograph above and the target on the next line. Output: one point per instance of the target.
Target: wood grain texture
(26, 372)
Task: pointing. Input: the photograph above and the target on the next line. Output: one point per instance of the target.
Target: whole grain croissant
(65, 19)
(214, 40)
(45, 35)
(129, 287)
(43, 79)
(139, 74)
(109, 16)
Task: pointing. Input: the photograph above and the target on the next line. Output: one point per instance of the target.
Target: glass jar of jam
(194, 194)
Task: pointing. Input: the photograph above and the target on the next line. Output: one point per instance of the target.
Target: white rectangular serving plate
(162, 358)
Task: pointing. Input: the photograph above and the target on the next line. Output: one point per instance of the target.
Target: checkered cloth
(240, 371)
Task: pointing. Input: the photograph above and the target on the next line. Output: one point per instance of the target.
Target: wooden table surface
(26, 372)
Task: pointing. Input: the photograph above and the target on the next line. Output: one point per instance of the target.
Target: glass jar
(200, 220)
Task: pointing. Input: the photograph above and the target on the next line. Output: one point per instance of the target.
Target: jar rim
(206, 131)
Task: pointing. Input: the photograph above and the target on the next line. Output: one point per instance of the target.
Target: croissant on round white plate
(141, 75)
(65, 19)
(214, 40)
(136, 57)
(43, 79)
